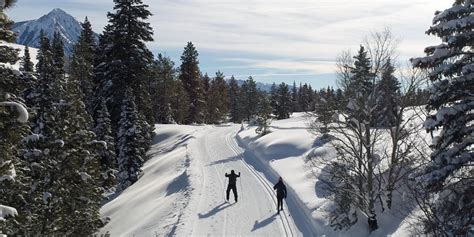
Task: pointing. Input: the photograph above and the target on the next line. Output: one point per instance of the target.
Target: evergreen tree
(26, 64)
(264, 114)
(13, 116)
(234, 101)
(388, 97)
(206, 89)
(106, 152)
(180, 102)
(162, 89)
(273, 97)
(250, 97)
(61, 165)
(218, 99)
(360, 89)
(190, 78)
(294, 98)
(448, 177)
(82, 64)
(123, 60)
(132, 144)
(305, 98)
(283, 103)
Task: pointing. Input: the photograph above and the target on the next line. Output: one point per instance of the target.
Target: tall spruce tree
(190, 78)
(263, 114)
(250, 98)
(218, 103)
(448, 177)
(163, 76)
(132, 143)
(107, 155)
(26, 64)
(283, 105)
(180, 102)
(234, 101)
(82, 61)
(388, 97)
(13, 116)
(123, 60)
(61, 169)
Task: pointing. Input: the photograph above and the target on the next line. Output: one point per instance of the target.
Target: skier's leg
(280, 203)
(234, 190)
(228, 192)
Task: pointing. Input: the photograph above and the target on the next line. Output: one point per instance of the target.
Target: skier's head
(232, 172)
(280, 179)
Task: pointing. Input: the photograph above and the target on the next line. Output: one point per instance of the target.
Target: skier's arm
(226, 175)
(238, 175)
(284, 188)
(275, 186)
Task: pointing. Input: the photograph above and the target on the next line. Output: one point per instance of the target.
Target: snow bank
(6, 211)
(21, 48)
(21, 110)
(150, 206)
(289, 151)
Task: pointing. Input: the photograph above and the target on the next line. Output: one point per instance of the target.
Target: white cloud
(299, 31)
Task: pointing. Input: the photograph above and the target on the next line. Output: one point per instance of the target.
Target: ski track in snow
(202, 155)
(253, 214)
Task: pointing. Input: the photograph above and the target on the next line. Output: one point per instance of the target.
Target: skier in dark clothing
(281, 193)
(232, 184)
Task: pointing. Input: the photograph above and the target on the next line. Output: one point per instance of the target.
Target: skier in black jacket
(232, 184)
(281, 193)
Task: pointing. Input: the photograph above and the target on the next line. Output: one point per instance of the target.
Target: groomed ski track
(200, 209)
(217, 151)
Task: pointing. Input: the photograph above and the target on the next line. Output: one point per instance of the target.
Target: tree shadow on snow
(215, 210)
(180, 142)
(178, 184)
(229, 159)
(263, 223)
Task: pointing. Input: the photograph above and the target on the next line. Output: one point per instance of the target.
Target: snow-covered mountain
(55, 21)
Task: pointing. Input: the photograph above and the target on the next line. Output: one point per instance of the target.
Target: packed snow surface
(182, 191)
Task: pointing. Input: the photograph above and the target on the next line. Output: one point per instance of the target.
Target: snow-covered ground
(182, 191)
(21, 52)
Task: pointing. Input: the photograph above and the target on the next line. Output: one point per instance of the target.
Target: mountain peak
(57, 11)
(57, 20)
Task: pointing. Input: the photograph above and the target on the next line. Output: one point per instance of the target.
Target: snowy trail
(255, 212)
(182, 192)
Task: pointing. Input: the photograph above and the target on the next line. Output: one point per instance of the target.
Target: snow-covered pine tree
(190, 78)
(13, 116)
(26, 63)
(218, 99)
(273, 97)
(81, 68)
(283, 105)
(249, 98)
(294, 98)
(234, 101)
(448, 177)
(62, 165)
(305, 98)
(132, 143)
(180, 102)
(123, 61)
(388, 97)
(206, 88)
(163, 76)
(107, 155)
(263, 113)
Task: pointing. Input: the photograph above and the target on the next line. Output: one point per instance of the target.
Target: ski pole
(241, 189)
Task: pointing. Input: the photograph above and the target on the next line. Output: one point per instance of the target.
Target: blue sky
(271, 40)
